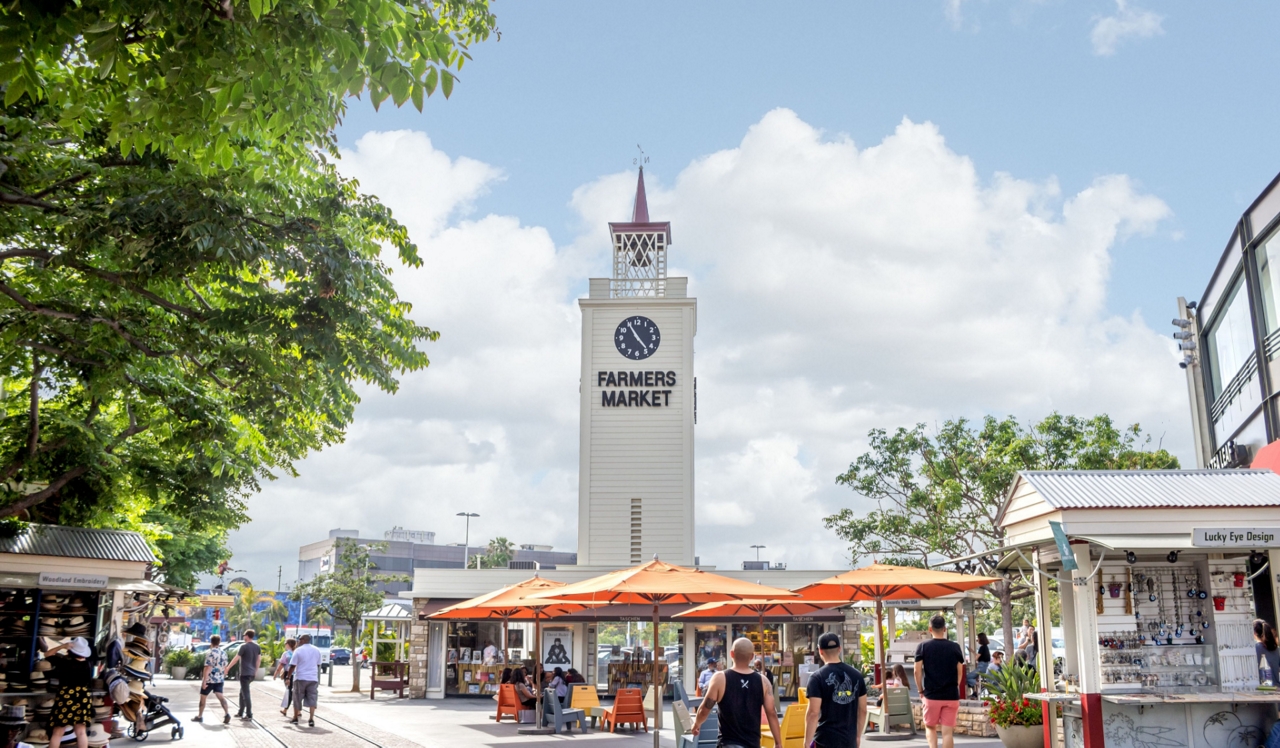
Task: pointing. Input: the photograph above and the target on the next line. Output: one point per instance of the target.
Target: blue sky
(842, 287)
(1188, 113)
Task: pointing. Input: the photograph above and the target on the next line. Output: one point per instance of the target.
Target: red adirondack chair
(508, 704)
(627, 709)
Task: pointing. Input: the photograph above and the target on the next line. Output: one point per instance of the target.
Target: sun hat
(129, 711)
(97, 735)
(13, 716)
(37, 735)
(80, 647)
(43, 666)
(136, 629)
(136, 687)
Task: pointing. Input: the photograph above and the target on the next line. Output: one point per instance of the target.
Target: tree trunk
(355, 656)
(1004, 590)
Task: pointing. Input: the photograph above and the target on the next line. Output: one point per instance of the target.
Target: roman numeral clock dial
(637, 338)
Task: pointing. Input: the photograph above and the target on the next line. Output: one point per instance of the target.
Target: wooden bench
(894, 709)
(389, 676)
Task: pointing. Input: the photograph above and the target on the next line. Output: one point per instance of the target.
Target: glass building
(1230, 341)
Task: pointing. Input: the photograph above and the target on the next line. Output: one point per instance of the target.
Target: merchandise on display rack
(1159, 626)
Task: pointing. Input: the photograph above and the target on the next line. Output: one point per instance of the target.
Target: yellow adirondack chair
(586, 698)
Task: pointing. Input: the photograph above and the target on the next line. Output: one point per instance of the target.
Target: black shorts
(211, 688)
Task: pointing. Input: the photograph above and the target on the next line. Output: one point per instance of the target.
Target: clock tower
(635, 474)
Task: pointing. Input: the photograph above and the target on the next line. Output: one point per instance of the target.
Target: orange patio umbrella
(658, 583)
(515, 602)
(793, 606)
(880, 582)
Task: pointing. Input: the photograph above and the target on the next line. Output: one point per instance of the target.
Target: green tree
(498, 554)
(937, 495)
(189, 292)
(349, 591)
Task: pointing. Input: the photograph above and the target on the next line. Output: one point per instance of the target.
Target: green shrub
(179, 658)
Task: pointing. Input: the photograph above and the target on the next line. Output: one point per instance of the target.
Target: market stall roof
(79, 542)
(1110, 489)
(123, 584)
(389, 612)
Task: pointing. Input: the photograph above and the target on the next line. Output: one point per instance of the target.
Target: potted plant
(1019, 721)
(178, 660)
(264, 665)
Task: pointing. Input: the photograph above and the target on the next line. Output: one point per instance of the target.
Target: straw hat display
(136, 629)
(97, 735)
(139, 667)
(129, 709)
(76, 606)
(13, 716)
(37, 736)
(43, 666)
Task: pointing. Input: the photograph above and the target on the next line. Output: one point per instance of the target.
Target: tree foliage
(349, 591)
(497, 555)
(189, 292)
(937, 495)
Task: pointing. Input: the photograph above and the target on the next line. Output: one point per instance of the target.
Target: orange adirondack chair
(627, 709)
(508, 704)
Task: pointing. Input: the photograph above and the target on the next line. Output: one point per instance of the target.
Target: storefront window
(467, 668)
(1269, 279)
(710, 643)
(769, 646)
(1230, 340)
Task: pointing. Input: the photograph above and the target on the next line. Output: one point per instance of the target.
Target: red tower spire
(641, 212)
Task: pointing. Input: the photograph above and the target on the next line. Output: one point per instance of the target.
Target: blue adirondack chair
(691, 704)
(707, 737)
(556, 716)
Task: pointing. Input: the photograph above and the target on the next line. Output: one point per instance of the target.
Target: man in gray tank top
(742, 694)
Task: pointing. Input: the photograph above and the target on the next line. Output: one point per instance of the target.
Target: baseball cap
(828, 641)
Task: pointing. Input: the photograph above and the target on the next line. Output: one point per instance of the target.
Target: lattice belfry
(639, 263)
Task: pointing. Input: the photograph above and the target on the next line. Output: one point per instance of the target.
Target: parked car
(340, 656)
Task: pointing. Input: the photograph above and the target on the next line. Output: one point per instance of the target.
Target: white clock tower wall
(635, 489)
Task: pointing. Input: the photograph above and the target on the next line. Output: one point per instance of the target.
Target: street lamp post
(758, 547)
(466, 543)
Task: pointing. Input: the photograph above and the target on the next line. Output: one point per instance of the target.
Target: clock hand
(637, 335)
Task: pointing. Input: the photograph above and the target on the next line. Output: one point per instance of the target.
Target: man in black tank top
(742, 695)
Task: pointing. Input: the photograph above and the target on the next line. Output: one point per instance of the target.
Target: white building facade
(635, 487)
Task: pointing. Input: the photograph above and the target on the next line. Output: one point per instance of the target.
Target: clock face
(637, 338)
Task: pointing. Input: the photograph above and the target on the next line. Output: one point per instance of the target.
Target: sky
(891, 213)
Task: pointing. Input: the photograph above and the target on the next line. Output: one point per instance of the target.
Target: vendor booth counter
(1162, 573)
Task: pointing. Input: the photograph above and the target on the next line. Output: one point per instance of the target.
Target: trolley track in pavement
(303, 738)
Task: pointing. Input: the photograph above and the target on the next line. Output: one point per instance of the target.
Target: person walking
(212, 678)
(283, 667)
(304, 666)
(939, 673)
(72, 707)
(740, 693)
(249, 657)
(837, 700)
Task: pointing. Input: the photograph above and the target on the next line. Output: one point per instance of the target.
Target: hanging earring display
(1151, 589)
(1102, 590)
(1128, 595)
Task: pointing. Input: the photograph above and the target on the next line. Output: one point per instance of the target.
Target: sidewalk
(393, 722)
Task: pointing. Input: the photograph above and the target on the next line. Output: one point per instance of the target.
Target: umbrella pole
(506, 648)
(879, 665)
(657, 689)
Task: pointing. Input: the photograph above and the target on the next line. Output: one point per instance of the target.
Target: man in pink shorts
(939, 673)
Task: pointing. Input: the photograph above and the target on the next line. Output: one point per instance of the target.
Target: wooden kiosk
(1163, 573)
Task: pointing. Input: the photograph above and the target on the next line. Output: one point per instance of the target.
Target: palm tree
(247, 611)
(498, 554)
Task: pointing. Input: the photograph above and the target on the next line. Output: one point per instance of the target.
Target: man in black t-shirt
(939, 673)
(837, 700)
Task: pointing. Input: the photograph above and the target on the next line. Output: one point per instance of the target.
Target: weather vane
(640, 160)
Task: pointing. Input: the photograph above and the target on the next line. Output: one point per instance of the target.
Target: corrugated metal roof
(1111, 489)
(79, 542)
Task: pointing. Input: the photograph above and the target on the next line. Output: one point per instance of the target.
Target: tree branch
(56, 314)
(9, 198)
(30, 500)
(58, 352)
(33, 437)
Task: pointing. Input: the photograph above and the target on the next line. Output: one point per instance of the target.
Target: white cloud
(1128, 21)
(840, 289)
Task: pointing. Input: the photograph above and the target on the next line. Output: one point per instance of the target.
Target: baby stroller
(156, 715)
